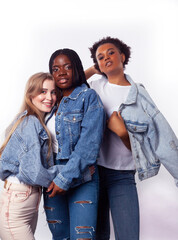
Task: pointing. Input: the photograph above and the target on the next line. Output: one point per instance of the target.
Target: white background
(32, 30)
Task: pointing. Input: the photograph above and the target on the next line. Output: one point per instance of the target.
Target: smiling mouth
(49, 105)
(109, 63)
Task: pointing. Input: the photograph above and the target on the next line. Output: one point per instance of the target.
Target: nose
(106, 57)
(48, 96)
(61, 72)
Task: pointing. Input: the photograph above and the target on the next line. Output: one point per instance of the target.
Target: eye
(53, 92)
(43, 91)
(100, 58)
(111, 52)
(54, 69)
(68, 67)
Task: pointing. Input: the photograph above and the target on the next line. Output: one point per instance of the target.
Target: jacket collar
(132, 96)
(77, 91)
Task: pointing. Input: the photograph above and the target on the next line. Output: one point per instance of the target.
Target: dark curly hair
(121, 46)
(77, 67)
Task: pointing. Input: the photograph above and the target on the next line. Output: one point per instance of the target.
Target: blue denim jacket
(25, 156)
(79, 124)
(152, 139)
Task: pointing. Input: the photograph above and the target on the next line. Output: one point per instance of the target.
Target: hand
(116, 124)
(55, 190)
(91, 71)
(92, 170)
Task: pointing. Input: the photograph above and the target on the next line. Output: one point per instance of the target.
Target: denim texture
(79, 125)
(118, 193)
(74, 214)
(25, 156)
(152, 140)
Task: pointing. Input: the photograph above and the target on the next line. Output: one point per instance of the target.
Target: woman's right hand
(91, 71)
(55, 190)
(92, 170)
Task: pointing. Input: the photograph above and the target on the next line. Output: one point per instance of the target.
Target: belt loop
(7, 185)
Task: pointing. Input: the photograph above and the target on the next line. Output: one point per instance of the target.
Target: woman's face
(47, 98)
(63, 74)
(110, 60)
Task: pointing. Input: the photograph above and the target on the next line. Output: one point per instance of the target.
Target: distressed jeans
(119, 194)
(19, 211)
(74, 214)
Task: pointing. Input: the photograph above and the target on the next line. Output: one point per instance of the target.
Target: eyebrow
(106, 50)
(62, 65)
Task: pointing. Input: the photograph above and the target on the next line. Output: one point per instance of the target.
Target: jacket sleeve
(166, 145)
(33, 172)
(162, 138)
(33, 167)
(87, 148)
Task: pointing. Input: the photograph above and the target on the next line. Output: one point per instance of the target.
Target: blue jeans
(74, 214)
(119, 194)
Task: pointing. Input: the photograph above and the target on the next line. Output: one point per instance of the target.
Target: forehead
(61, 59)
(105, 47)
(49, 83)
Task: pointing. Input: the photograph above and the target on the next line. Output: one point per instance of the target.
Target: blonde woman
(26, 161)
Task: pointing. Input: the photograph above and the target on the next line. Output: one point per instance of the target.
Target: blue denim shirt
(152, 139)
(25, 156)
(79, 125)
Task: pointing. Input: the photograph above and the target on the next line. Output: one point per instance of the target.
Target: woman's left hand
(55, 190)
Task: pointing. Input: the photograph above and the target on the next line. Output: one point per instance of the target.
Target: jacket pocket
(137, 129)
(73, 123)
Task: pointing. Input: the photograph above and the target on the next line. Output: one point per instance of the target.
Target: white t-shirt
(51, 127)
(113, 153)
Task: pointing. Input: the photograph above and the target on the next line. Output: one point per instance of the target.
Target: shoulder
(30, 124)
(97, 82)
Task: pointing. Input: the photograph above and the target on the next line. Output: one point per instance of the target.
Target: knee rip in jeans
(54, 221)
(84, 230)
(81, 202)
(49, 208)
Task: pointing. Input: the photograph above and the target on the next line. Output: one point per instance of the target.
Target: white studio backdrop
(32, 30)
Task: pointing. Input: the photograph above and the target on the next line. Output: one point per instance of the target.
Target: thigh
(83, 203)
(57, 214)
(18, 210)
(124, 205)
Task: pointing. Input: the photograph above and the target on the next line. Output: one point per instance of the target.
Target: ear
(122, 58)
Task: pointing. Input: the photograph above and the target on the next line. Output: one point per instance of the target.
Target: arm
(91, 71)
(116, 125)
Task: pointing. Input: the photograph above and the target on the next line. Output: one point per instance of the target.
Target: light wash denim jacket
(25, 155)
(152, 139)
(79, 125)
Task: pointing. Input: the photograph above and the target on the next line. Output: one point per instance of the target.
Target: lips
(109, 63)
(62, 80)
(48, 104)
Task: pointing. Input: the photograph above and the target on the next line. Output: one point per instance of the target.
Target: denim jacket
(25, 155)
(79, 125)
(152, 139)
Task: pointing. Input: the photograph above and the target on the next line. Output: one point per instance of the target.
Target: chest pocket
(72, 123)
(137, 129)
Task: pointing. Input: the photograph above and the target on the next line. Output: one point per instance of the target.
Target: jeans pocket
(20, 196)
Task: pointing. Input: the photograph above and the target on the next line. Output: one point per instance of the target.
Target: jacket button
(65, 101)
(59, 113)
(59, 149)
(57, 133)
(74, 118)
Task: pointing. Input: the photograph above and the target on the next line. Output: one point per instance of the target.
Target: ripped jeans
(73, 215)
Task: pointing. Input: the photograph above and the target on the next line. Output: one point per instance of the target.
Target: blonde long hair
(33, 88)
